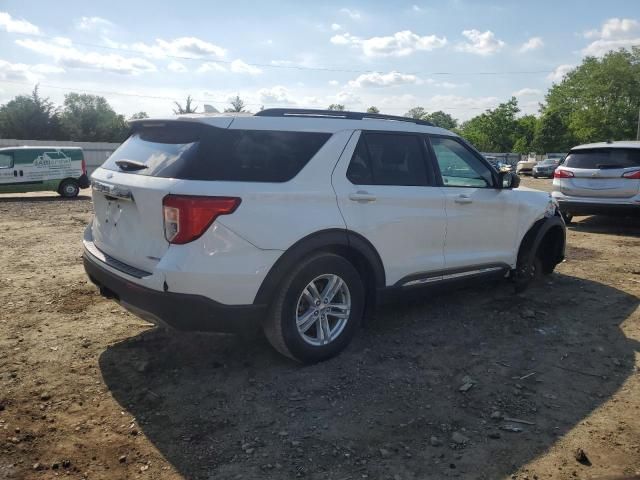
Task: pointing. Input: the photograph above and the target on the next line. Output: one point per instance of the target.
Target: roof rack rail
(337, 114)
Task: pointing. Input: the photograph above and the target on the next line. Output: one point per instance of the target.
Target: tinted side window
(603, 158)
(6, 160)
(388, 159)
(198, 152)
(459, 167)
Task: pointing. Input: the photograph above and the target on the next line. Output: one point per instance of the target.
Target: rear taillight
(187, 217)
(560, 173)
(84, 166)
(634, 175)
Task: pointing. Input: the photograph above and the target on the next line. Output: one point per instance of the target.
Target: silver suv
(599, 178)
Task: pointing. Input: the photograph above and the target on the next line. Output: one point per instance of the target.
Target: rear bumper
(597, 208)
(177, 310)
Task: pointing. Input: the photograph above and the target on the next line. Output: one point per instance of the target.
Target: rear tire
(69, 189)
(306, 325)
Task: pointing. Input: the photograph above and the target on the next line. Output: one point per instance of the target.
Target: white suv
(299, 220)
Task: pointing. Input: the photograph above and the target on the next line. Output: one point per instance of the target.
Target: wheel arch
(547, 239)
(353, 246)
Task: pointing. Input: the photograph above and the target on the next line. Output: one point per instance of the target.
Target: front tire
(528, 271)
(317, 309)
(69, 189)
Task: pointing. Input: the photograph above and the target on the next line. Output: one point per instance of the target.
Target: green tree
(90, 118)
(524, 134)
(139, 116)
(494, 130)
(237, 105)
(373, 109)
(336, 106)
(552, 133)
(597, 101)
(188, 107)
(441, 119)
(29, 117)
(416, 112)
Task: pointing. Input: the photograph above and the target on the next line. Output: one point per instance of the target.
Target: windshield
(603, 158)
(548, 162)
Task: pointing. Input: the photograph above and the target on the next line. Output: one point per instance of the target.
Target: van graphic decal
(52, 160)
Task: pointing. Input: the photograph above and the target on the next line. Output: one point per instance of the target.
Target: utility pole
(638, 134)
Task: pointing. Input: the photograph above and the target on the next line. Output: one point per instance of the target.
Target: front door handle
(463, 199)
(362, 196)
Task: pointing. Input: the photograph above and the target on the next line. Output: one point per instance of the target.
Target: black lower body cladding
(177, 310)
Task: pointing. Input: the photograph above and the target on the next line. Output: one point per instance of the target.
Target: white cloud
(335, 27)
(210, 67)
(13, 25)
(190, 47)
(614, 34)
(558, 74)
(90, 24)
(277, 94)
(480, 43)
(345, 98)
(533, 43)
(447, 85)
(20, 72)
(353, 14)
(66, 55)
(399, 44)
(417, 8)
(334, 83)
(526, 92)
(343, 39)
(177, 67)
(238, 66)
(376, 79)
(461, 107)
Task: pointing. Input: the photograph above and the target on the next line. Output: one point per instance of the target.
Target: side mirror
(508, 180)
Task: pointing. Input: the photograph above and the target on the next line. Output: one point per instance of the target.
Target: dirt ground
(90, 391)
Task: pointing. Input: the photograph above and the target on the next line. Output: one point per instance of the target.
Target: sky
(459, 56)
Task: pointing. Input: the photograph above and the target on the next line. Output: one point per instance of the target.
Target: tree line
(596, 101)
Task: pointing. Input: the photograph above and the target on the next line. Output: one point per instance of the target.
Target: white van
(31, 169)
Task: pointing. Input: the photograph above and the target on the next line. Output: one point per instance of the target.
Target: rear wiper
(130, 165)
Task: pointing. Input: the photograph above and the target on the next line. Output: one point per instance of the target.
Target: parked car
(31, 169)
(498, 164)
(301, 221)
(525, 167)
(599, 178)
(545, 168)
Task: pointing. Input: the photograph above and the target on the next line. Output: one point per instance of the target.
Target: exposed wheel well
(550, 248)
(546, 241)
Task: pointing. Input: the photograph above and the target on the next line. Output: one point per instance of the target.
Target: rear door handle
(362, 196)
(462, 199)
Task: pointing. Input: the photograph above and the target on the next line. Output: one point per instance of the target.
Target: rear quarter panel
(273, 216)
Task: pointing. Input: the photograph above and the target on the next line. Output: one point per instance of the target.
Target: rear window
(201, 152)
(603, 158)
